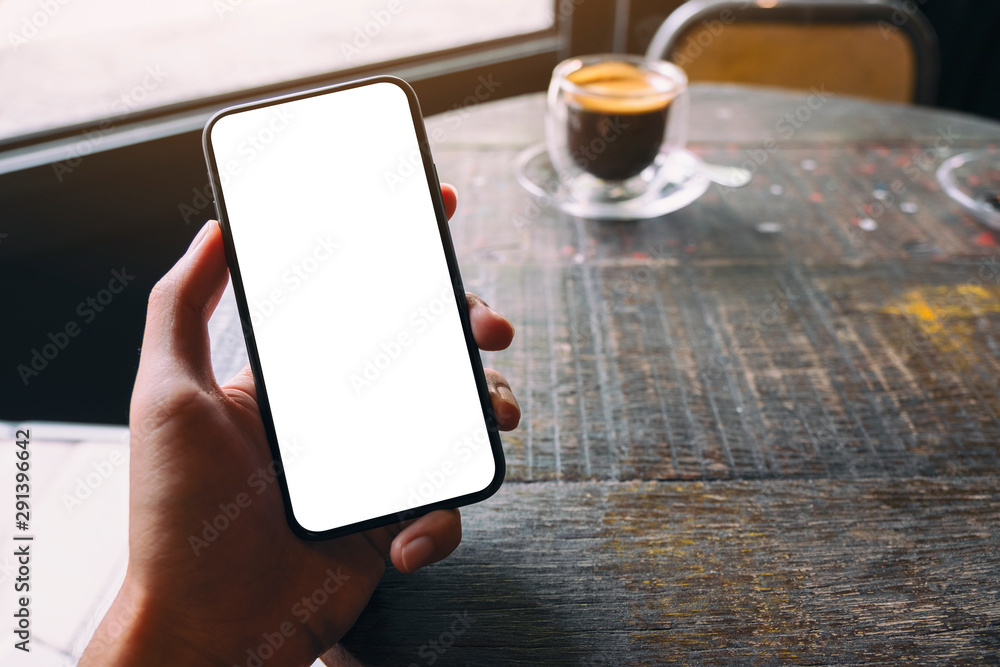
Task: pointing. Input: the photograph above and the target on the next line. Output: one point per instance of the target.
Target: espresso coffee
(616, 118)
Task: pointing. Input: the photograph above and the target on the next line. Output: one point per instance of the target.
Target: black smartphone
(369, 382)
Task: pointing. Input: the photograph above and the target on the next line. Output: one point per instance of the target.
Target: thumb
(175, 345)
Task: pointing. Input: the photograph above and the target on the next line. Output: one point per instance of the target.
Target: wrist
(134, 633)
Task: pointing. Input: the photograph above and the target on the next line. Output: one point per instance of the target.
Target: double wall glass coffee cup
(613, 122)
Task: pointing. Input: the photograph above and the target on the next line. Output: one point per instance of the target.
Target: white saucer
(686, 182)
(972, 179)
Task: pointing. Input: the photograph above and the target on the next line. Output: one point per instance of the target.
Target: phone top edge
(312, 92)
(402, 84)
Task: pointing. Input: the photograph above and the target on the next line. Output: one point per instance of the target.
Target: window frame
(75, 200)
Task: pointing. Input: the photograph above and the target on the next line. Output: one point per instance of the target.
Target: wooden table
(737, 446)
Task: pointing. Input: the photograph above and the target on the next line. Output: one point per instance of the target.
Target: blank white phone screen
(361, 348)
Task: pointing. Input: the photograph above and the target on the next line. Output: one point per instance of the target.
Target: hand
(255, 590)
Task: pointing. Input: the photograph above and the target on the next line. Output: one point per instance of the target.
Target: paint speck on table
(986, 240)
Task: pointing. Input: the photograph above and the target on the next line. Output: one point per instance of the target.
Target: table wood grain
(738, 446)
(818, 571)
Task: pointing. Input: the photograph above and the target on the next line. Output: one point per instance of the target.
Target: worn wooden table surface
(737, 447)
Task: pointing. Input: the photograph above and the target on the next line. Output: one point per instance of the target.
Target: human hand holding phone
(255, 589)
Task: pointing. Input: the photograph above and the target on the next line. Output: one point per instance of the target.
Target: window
(68, 62)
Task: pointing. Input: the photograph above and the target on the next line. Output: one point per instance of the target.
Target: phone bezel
(434, 186)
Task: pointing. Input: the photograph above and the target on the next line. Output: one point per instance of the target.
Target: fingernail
(507, 399)
(490, 308)
(418, 552)
(202, 233)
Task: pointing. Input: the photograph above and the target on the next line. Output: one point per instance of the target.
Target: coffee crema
(617, 118)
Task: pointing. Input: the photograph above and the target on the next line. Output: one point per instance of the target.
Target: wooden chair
(881, 49)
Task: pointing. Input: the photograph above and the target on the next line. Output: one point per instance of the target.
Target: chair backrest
(883, 49)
